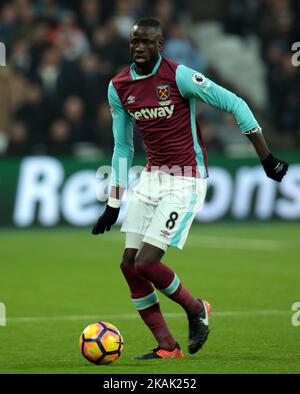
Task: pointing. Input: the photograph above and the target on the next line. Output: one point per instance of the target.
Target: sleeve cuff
(114, 202)
(253, 131)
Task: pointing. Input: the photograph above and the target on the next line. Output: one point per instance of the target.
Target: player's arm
(192, 84)
(121, 161)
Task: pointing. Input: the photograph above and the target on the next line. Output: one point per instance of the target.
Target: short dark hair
(148, 22)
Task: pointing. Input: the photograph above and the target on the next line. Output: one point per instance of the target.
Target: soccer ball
(101, 343)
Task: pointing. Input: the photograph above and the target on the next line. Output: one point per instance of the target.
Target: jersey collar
(136, 76)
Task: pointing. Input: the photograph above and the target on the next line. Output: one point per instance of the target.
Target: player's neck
(145, 69)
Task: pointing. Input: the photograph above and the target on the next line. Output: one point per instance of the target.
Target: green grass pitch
(54, 282)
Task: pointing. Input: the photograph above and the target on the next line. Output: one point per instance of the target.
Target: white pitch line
(237, 243)
(128, 316)
(214, 242)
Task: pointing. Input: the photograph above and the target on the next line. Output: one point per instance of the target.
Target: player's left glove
(275, 168)
(106, 220)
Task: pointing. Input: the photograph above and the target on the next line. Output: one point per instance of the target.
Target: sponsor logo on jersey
(198, 79)
(163, 92)
(164, 233)
(153, 113)
(168, 102)
(131, 99)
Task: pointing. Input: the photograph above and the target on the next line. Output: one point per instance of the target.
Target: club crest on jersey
(163, 92)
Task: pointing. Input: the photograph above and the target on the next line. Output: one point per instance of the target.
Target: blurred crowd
(62, 54)
(276, 23)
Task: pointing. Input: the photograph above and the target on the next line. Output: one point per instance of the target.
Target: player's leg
(145, 299)
(149, 266)
(140, 211)
(170, 226)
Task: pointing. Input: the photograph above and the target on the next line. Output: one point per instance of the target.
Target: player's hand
(275, 168)
(106, 220)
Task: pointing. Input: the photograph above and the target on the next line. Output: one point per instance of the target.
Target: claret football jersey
(162, 105)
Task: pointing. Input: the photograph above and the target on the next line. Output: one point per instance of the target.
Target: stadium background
(55, 132)
(53, 101)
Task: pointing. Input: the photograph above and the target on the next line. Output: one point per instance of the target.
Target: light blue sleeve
(122, 125)
(192, 84)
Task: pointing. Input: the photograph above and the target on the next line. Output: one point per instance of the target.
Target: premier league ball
(101, 343)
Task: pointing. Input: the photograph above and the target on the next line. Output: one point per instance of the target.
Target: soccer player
(159, 96)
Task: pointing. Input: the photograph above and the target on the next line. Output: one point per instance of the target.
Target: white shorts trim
(136, 241)
(155, 242)
(133, 240)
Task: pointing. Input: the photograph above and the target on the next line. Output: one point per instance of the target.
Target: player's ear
(160, 43)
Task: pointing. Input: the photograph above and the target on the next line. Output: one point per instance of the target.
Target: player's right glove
(106, 220)
(275, 168)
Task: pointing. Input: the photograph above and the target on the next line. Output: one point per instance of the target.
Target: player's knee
(129, 256)
(143, 259)
(148, 254)
(140, 269)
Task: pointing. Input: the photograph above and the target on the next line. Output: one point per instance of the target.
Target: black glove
(106, 220)
(275, 168)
